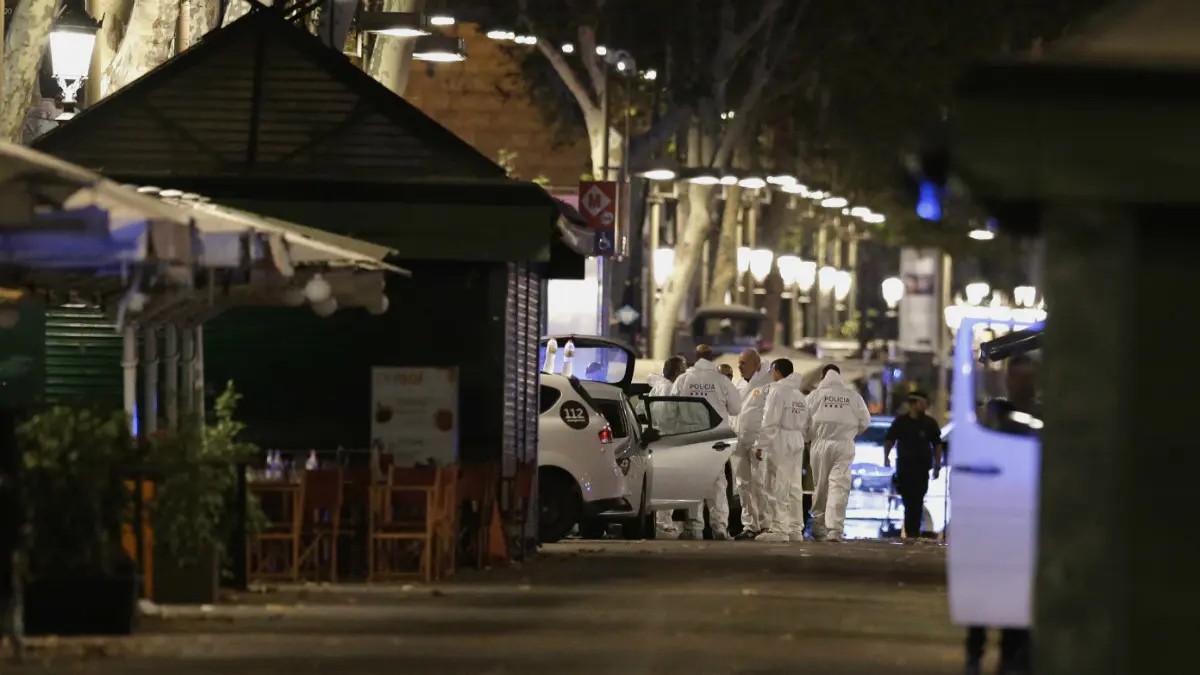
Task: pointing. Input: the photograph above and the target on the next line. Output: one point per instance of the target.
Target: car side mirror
(651, 435)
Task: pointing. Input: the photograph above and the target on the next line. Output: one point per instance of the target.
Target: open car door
(994, 485)
(689, 443)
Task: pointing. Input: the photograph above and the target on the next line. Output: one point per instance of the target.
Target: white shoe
(796, 536)
(690, 535)
(835, 537)
(721, 535)
(769, 536)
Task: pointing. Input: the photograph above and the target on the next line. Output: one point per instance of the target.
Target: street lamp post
(71, 43)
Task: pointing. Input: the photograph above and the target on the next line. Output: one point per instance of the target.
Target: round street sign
(574, 415)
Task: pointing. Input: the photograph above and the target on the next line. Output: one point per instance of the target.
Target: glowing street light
(826, 278)
(807, 277)
(834, 202)
(977, 291)
(893, 291)
(842, 283)
(753, 183)
(760, 263)
(661, 174)
(651, 75)
(789, 269)
(71, 43)
(743, 259)
(568, 48)
(1025, 296)
(980, 234)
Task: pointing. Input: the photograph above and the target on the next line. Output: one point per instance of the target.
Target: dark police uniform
(915, 439)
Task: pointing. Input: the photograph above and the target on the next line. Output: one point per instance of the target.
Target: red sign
(598, 203)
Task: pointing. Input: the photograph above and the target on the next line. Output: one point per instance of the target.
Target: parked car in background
(667, 461)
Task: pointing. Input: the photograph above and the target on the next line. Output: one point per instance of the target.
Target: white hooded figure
(838, 415)
(747, 479)
(661, 385)
(703, 380)
(780, 446)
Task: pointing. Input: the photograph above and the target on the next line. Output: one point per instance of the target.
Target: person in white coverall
(661, 386)
(780, 445)
(746, 478)
(703, 380)
(838, 414)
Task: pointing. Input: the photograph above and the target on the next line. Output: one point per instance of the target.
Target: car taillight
(606, 436)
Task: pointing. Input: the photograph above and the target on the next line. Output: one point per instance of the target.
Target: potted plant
(195, 483)
(79, 578)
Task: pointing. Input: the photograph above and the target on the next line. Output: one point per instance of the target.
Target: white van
(995, 483)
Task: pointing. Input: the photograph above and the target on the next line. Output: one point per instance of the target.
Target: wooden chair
(322, 522)
(356, 505)
(403, 516)
(274, 552)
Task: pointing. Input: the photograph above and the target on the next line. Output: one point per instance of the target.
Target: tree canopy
(863, 81)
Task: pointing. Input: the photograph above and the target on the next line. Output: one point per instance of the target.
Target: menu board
(414, 414)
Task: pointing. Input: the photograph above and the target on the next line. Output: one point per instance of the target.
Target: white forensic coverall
(781, 439)
(746, 479)
(703, 380)
(838, 414)
(661, 386)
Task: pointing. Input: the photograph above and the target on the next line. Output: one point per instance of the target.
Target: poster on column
(414, 414)
(919, 320)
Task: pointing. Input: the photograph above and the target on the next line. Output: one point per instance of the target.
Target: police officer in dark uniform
(918, 441)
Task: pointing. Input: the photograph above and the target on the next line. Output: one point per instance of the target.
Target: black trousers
(1015, 648)
(911, 485)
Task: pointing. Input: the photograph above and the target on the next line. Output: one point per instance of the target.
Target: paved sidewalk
(590, 608)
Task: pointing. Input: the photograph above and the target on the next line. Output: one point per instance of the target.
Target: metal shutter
(83, 357)
(522, 319)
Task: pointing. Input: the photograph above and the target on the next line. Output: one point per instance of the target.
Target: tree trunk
(594, 121)
(196, 19)
(770, 231)
(147, 43)
(28, 36)
(773, 304)
(688, 248)
(391, 57)
(113, 16)
(725, 271)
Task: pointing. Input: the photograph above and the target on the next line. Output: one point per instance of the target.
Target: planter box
(83, 605)
(191, 583)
